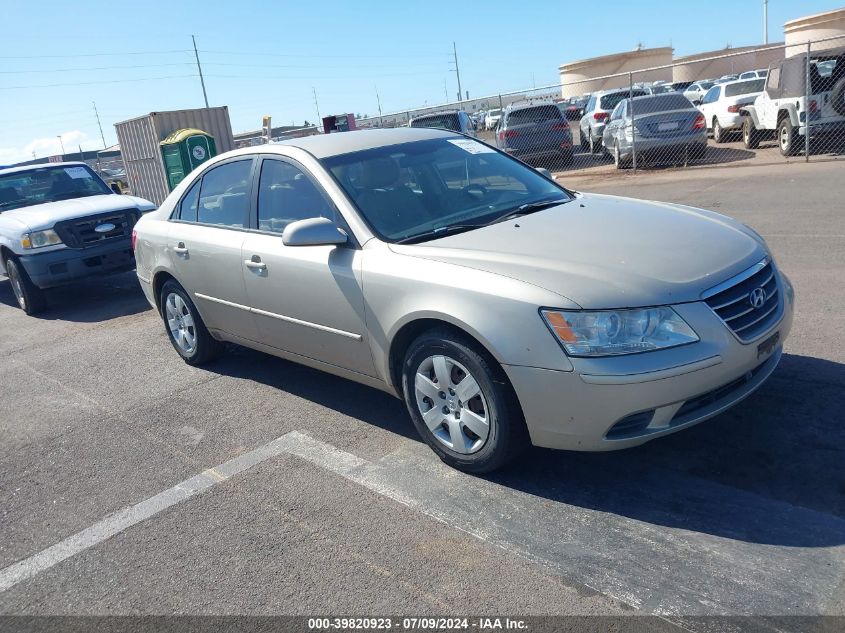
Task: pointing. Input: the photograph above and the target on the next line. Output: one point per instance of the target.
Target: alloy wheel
(451, 404)
(17, 287)
(180, 323)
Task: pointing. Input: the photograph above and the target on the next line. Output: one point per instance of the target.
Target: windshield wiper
(525, 209)
(440, 231)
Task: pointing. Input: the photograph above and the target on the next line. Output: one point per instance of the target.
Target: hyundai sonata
(502, 307)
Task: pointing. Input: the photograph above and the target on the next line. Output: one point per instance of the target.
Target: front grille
(82, 233)
(733, 304)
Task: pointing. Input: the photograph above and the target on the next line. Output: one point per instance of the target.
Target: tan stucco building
(584, 76)
(728, 61)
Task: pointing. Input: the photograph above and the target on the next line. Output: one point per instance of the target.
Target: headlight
(614, 332)
(39, 239)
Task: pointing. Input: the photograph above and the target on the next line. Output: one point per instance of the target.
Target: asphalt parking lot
(258, 486)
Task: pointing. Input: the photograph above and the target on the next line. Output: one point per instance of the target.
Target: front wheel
(30, 297)
(750, 135)
(461, 403)
(185, 328)
(787, 137)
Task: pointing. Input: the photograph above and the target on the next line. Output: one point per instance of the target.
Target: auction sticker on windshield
(77, 172)
(473, 147)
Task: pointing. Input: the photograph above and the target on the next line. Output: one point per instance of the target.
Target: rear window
(534, 115)
(744, 87)
(608, 102)
(448, 121)
(662, 103)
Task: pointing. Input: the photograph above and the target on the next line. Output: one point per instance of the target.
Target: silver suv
(597, 114)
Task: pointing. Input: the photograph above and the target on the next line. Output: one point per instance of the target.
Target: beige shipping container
(139, 140)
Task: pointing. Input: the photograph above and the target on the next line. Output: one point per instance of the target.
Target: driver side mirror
(313, 232)
(545, 172)
(697, 102)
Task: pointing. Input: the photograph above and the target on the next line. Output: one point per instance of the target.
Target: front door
(307, 300)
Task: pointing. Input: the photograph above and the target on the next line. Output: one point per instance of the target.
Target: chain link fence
(755, 106)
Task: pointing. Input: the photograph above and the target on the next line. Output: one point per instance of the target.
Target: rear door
(306, 300)
(205, 238)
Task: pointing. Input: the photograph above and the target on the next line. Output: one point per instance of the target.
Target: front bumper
(62, 266)
(614, 403)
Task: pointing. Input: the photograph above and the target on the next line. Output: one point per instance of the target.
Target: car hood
(607, 252)
(44, 216)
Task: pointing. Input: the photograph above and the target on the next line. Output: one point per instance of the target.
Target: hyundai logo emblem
(757, 298)
(106, 227)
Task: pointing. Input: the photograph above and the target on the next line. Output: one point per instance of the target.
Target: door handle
(180, 249)
(255, 263)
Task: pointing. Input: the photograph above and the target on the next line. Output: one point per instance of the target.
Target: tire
(718, 132)
(31, 299)
(787, 137)
(750, 134)
(185, 328)
(585, 145)
(595, 145)
(617, 158)
(837, 96)
(441, 416)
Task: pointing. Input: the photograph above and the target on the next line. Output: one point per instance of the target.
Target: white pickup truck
(60, 222)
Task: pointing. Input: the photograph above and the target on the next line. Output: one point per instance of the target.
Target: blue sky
(56, 57)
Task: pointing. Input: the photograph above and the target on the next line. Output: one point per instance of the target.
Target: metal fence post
(807, 91)
(633, 127)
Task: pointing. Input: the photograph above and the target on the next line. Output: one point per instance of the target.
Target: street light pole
(765, 21)
(199, 69)
(59, 136)
(458, 73)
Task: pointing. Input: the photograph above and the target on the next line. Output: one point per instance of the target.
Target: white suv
(784, 108)
(60, 222)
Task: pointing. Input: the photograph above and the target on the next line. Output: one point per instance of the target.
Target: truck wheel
(30, 297)
(718, 132)
(750, 135)
(461, 402)
(787, 137)
(185, 328)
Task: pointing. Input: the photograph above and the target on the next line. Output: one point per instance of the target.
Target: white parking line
(123, 519)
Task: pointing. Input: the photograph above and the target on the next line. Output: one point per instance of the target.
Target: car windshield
(449, 121)
(744, 87)
(608, 102)
(534, 115)
(48, 184)
(660, 103)
(413, 190)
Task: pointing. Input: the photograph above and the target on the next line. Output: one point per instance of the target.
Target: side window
(188, 206)
(712, 95)
(286, 194)
(591, 104)
(223, 198)
(618, 111)
(773, 82)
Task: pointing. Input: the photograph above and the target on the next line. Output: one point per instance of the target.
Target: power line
(117, 54)
(344, 56)
(85, 68)
(92, 83)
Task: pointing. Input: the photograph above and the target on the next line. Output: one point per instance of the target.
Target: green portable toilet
(184, 150)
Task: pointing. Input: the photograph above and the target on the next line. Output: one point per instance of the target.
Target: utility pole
(317, 105)
(765, 21)
(446, 90)
(458, 73)
(199, 69)
(378, 99)
(97, 114)
(59, 136)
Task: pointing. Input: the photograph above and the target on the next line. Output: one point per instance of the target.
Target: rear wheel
(461, 402)
(617, 157)
(787, 137)
(30, 297)
(750, 135)
(185, 328)
(595, 144)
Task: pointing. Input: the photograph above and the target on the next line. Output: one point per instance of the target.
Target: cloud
(49, 146)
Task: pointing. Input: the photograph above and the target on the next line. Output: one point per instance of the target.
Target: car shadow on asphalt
(89, 300)
(767, 471)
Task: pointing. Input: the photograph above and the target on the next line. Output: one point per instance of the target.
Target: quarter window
(223, 198)
(188, 206)
(286, 194)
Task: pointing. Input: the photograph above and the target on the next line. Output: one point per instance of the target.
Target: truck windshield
(48, 184)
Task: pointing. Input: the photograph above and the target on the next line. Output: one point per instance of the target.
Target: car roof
(437, 113)
(525, 106)
(335, 144)
(741, 81)
(11, 170)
